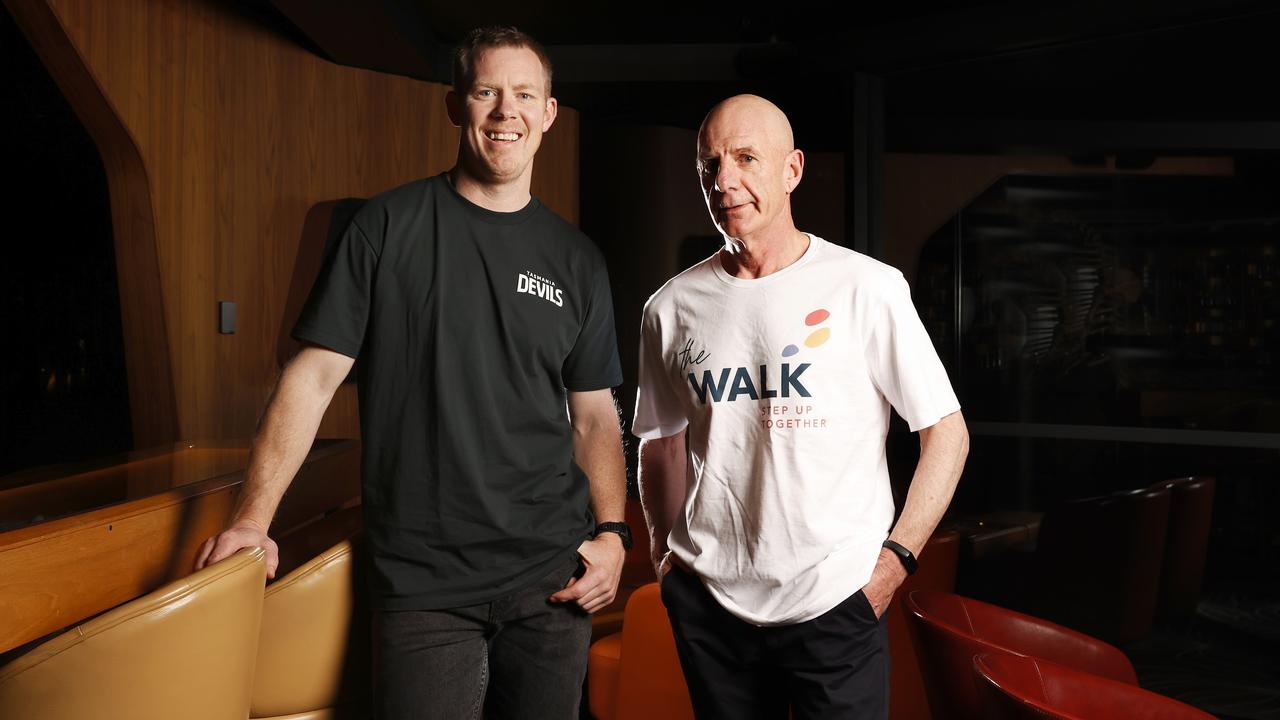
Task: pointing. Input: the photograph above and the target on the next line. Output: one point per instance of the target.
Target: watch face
(904, 555)
(620, 529)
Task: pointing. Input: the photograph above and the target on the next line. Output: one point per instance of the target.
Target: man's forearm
(943, 448)
(599, 453)
(597, 448)
(663, 466)
(284, 437)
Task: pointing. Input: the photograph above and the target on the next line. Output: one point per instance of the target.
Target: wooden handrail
(57, 573)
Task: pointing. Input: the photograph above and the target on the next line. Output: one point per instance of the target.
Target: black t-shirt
(469, 325)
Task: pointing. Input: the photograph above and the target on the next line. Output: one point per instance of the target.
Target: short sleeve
(903, 362)
(337, 310)
(593, 362)
(659, 412)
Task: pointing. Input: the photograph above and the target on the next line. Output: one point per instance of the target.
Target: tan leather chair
(183, 651)
(313, 652)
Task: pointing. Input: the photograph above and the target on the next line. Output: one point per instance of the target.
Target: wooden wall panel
(237, 132)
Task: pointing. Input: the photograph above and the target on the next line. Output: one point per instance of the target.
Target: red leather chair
(937, 571)
(1186, 545)
(1023, 688)
(952, 629)
(635, 675)
(1097, 564)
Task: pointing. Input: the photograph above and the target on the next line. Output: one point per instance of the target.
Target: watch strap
(905, 556)
(621, 529)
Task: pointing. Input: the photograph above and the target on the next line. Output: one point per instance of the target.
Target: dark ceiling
(956, 74)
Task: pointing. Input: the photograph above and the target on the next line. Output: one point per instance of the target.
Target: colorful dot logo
(817, 337)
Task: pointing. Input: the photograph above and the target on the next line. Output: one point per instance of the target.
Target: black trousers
(833, 666)
(519, 656)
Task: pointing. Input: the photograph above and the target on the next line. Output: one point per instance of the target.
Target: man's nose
(726, 178)
(505, 107)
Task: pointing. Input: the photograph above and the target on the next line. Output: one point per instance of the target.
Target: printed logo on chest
(531, 283)
(784, 402)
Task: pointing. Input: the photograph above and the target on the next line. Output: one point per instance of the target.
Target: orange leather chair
(937, 571)
(1023, 688)
(313, 652)
(906, 694)
(185, 650)
(953, 629)
(1186, 545)
(1098, 561)
(635, 674)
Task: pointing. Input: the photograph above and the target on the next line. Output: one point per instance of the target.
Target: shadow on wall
(323, 227)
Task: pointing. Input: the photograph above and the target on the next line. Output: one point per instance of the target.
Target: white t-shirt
(784, 383)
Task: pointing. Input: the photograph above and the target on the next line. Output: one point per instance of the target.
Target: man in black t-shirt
(479, 317)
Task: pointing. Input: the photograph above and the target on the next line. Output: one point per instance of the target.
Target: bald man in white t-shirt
(766, 376)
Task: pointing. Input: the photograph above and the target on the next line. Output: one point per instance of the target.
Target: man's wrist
(620, 530)
(611, 538)
(250, 523)
(894, 558)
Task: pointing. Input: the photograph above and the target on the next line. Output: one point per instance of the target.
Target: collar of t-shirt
(718, 267)
(490, 216)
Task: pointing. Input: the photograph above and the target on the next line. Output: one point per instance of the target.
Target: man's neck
(498, 197)
(758, 256)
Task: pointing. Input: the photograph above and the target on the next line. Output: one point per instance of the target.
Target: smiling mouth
(502, 136)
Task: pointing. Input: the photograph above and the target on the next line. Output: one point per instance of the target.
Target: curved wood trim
(152, 403)
(62, 571)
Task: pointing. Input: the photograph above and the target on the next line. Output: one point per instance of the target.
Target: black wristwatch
(622, 529)
(908, 560)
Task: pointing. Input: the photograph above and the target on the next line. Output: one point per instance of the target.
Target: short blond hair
(493, 36)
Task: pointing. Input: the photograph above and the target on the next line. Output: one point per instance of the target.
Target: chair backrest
(1186, 545)
(313, 651)
(185, 650)
(651, 684)
(952, 629)
(1023, 688)
(937, 571)
(1098, 563)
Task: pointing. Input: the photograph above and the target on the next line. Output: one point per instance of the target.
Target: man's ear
(453, 107)
(793, 170)
(552, 108)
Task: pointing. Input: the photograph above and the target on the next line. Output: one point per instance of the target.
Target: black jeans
(515, 657)
(833, 666)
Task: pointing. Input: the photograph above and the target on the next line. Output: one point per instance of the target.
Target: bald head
(742, 113)
(749, 164)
